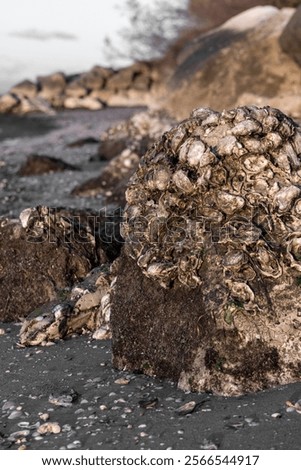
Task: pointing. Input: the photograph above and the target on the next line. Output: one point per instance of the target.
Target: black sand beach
(138, 412)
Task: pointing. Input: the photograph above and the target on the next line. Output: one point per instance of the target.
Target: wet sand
(107, 415)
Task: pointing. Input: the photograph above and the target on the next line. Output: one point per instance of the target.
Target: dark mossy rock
(183, 335)
(40, 164)
(50, 250)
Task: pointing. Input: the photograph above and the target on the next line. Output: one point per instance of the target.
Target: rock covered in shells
(212, 231)
(230, 179)
(123, 145)
(86, 308)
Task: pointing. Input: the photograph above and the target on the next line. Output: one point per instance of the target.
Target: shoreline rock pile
(99, 87)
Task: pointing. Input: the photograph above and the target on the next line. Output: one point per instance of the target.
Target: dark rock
(40, 164)
(25, 88)
(49, 251)
(8, 102)
(124, 78)
(154, 330)
(110, 148)
(290, 39)
(52, 87)
(82, 142)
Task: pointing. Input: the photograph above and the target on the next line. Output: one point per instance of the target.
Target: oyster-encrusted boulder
(48, 251)
(123, 145)
(208, 286)
(84, 308)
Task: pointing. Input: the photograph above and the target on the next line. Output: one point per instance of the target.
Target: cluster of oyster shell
(229, 180)
(87, 307)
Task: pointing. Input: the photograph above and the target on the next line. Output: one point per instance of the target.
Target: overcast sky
(41, 36)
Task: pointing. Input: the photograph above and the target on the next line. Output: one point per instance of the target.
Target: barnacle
(228, 182)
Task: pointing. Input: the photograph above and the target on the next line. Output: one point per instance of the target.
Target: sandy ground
(107, 415)
(140, 412)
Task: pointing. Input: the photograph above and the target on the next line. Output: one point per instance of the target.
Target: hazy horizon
(38, 37)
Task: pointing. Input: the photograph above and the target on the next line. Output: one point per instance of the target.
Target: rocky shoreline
(64, 180)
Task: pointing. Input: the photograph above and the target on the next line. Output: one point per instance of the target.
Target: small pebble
(2, 331)
(15, 414)
(65, 399)
(66, 428)
(18, 435)
(276, 415)
(23, 424)
(44, 416)
(74, 445)
(9, 405)
(49, 428)
(122, 381)
(149, 403)
(103, 407)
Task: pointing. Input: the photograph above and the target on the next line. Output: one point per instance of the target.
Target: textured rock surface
(91, 90)
(239, 63)
(214, 206)
(123, 145)
(84, 308)
(48, 251)
(290, 38)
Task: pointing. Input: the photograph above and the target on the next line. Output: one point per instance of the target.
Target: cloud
(43, 35)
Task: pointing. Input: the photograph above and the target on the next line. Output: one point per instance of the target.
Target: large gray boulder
(238, 63)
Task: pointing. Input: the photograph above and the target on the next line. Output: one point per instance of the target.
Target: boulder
(25, 88)
(123, 79)
(290, 39)
(8, 102)
(87, 102)
(76, 89)
(33, 105)
(123, 145)
(41, 164)
(241, 58)
(40, 255)
(208, 284)
(51, 86)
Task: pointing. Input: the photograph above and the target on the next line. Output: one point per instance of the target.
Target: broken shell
(182, 182)
(186, 409)
(229, 203)
(247, 127)
(122, 381)
(256, 164)
(284, 199)
(49, 428)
